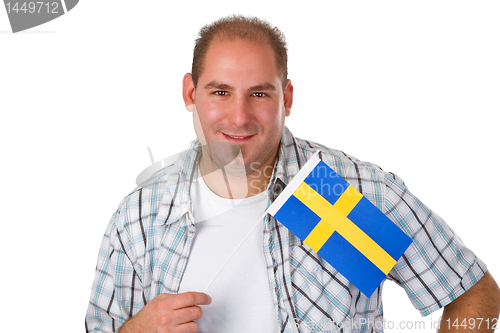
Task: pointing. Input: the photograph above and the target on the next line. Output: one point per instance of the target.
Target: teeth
(236, 137)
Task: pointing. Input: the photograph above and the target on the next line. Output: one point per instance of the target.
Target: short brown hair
(237, 26)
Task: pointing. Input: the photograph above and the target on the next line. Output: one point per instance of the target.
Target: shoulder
(140, 203)
(136, 213)
(367, 177)
(159, 190)
(346, 165)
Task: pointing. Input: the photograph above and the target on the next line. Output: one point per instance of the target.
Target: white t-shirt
(241, 298)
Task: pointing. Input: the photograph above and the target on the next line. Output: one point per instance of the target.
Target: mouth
(237, 138)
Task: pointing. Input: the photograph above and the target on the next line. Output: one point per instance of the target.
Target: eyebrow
(265, 86)
(217, 85)
(223, 86)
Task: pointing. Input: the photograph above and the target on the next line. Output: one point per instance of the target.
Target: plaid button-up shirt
(146, 247)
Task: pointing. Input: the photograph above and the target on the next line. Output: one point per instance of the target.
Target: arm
(478, 306)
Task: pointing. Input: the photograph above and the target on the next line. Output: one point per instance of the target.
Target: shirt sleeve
(116, 291)
(437, 267)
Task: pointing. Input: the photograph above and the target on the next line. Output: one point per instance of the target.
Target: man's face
(239, 99)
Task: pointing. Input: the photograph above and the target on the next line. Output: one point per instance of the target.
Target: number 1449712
(473, 323)
(32, 7)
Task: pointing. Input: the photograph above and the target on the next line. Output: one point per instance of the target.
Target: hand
(168, 313)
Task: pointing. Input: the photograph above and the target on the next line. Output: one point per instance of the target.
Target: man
(172, 235)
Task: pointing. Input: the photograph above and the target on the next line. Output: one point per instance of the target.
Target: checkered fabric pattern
(146, 247)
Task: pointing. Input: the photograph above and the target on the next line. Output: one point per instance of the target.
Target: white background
(412, 87)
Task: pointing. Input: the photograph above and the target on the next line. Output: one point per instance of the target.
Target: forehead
(245, 60)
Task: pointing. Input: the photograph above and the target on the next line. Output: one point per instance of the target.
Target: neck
(227, 183)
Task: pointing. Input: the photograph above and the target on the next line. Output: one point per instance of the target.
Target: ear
(188, 91)
(288, 97)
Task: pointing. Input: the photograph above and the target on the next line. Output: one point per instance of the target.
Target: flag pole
(244, 239)
(236, 250)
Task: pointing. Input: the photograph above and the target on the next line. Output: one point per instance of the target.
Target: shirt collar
(180, 191)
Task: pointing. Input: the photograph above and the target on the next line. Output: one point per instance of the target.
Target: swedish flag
(340, 225)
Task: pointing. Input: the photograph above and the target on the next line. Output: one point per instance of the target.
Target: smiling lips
(237, 138)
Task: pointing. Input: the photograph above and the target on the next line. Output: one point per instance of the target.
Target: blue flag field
(340, 225)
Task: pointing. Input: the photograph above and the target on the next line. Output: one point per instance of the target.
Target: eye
(220, 93)
(259, 94)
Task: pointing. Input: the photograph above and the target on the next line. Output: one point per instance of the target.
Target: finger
(189, 299)
(186, 315)
(190, 327)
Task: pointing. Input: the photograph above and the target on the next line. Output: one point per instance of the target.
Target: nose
(239, 112)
